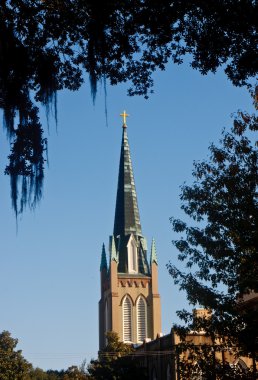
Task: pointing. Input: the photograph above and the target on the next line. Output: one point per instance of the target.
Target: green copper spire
(153, 258)
(127, 219)
(103, 263)
(127, 225)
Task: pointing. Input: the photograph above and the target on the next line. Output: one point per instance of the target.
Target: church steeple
(127, 218)
(129, 241)
(130, 302)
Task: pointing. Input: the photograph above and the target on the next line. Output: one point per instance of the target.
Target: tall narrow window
(132, 256)
(169, 372)
(154, 374)
(141, 319)
(127, 320)
(106, 317)
(106, 321)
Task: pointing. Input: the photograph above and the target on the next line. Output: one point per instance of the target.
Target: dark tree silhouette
(116, 362)
(47, 45)
(220, 249)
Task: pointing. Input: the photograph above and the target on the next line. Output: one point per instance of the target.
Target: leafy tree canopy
(72, 373)
(13, 366)
(115, 362)
(75, 373)
(208, 362)
(220, 247)
(48, 45)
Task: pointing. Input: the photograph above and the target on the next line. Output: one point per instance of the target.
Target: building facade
(130, 301)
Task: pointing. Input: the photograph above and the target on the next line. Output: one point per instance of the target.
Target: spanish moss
(92, 71)
(105, 98)
(47, 80)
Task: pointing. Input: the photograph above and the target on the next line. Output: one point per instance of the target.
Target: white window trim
(146, 319)
(131, 321)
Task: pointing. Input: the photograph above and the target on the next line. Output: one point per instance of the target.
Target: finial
(124, 116)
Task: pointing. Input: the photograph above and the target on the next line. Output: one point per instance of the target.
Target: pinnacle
(154, 257)
(103, 263)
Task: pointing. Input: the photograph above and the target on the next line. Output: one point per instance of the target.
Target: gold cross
(124, 116)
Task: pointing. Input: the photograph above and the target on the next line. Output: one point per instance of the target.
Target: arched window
(127, 320)
(141, 319)
(242, 364)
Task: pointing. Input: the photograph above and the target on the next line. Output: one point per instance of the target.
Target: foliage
(49, 45)
(75, 373)
(115, 362)
(220, 250)
(115, 346)
(38, 374)
(208, 362)
(13, 366)
(72, 373)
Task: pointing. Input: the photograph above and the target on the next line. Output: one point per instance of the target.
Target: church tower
(130, 301)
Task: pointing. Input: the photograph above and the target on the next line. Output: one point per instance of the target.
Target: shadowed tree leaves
(220, 248)
(72, 373)
(48, 45)
(75, 373)
(115, 362)
(206, 362)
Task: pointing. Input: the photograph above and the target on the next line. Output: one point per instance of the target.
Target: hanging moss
(47, 81)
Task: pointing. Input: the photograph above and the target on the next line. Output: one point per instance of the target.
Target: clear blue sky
(49, 277)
